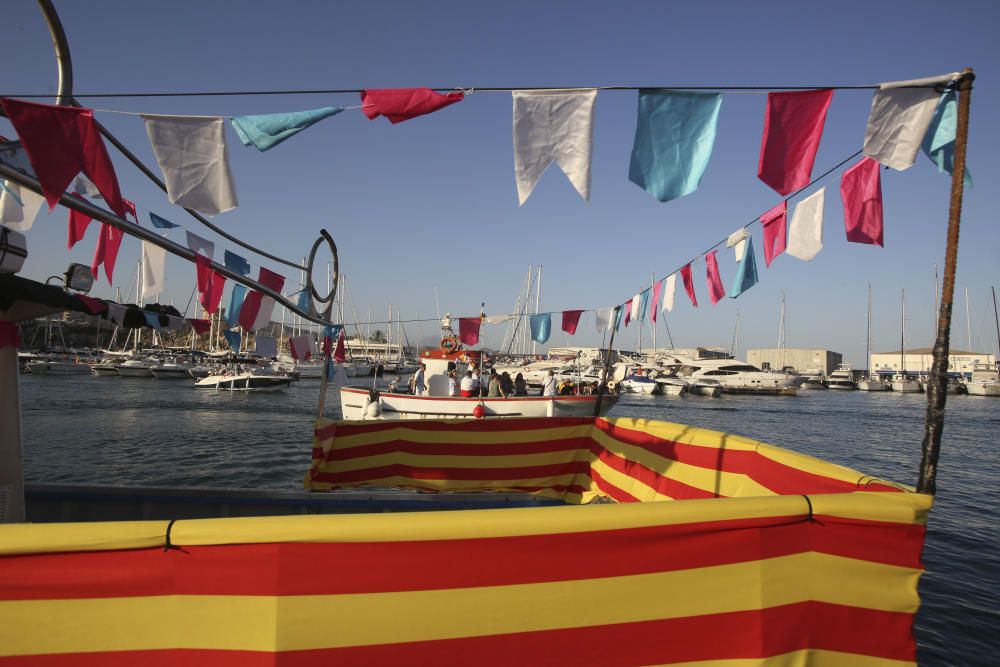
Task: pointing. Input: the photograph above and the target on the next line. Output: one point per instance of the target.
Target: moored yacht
(738, 377)
(239, 378)
(985, 381)
(873, 383)
(135, 368)
(905, 384)
(842, 378)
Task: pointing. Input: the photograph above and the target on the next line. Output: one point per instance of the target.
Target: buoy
(479, 411)
(373, 410)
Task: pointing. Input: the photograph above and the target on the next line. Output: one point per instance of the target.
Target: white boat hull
(134, 371)
(634, 387)
(244, 382)
(172, 373)
(983, 388)
(57, 368)
(873, 385)
(671, 388)
(906, 387)
(356, 404)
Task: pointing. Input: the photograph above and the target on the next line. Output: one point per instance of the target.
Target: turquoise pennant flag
(152, 319)
(541, 327)
(619, 311)
(233, 338)
(304, 301)
(939, 142)
(235, 304)
(746, 272)
(674, 136)
(642, 305)
(267, 131)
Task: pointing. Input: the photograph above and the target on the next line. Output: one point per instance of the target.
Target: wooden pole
(936, 387)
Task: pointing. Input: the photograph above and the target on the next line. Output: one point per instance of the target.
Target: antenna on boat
(936, 385)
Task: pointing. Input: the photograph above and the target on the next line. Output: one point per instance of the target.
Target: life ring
(449, 344)
(612, 386)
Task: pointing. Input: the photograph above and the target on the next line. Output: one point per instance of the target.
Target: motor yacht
(873, 383)
(738, 377)
(985, 381)
(842, 378)
(135, 368)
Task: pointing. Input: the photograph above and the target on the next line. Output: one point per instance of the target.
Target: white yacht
(62, 365)
(738, 377)
(261, 378)
(173, 369)
(985, 381)
(873, 383)
(135, 368)
(842, 378)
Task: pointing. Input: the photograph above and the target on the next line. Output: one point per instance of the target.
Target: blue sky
(431, 203)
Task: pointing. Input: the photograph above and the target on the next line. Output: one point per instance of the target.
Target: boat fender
(613, 386)
(479, 411)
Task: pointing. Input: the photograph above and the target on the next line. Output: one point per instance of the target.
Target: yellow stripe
(327, 621)
(906, 508)
(457, 461)
(457, 433)
(811, 657)
(688, 435)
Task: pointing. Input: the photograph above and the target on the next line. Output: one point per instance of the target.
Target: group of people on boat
(491, 385)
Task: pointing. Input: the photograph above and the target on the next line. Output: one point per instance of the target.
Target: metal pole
(538, 301)
(996, 321)
(607, 364)
(936, 394)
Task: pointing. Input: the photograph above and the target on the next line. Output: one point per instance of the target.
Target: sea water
(134, 431)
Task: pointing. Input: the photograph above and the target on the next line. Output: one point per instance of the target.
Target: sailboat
(902, 381)
(872, 382)
(985, 380)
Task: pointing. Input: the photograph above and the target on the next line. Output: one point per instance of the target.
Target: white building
(919, 361)
(800, 359)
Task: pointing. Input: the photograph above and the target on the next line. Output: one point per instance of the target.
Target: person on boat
(467, 390)
(494, 390)
(549, 386)
(477, 383)
(506, 385)
(392, 384)
(452, 384)
(419, 384)
(520, 386)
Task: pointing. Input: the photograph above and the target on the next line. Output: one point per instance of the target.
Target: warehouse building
(825, 361)
(919, 361)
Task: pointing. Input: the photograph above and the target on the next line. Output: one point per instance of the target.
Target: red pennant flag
(861, 192)
(340, 355)
(210, 284)
(570, 319)
(106, 251)
(251, 305)
(793, 126)
(8, 335)
(628, 311)
(77, 227)
(130, 209)
(715, 289)
(399, 104)
(468, 330)
(93, 306)
(689, 284)
(61, 142)
(773, 223)
(200, 326)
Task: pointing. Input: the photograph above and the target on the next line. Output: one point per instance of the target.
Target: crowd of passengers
(499, 385)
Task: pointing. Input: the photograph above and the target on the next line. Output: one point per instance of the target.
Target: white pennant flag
(604, 319)
(805, 232)
(738, 241)
(84, 186)
(192, 154)
(899, 118)
(198, 244)
(154, 260)
(19, 216)
(634, 315)
(669, 287)
(264, 314)
(553, 126)
(498, 319)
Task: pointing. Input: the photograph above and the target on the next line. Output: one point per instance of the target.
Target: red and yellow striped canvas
(806, 563)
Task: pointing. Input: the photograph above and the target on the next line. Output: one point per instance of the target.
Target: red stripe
(480, 474)
(460, 448)
(664, 485)
(752, 634)
(539, 424)
(372, 567)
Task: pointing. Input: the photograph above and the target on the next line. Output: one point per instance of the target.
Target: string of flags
(674, 139)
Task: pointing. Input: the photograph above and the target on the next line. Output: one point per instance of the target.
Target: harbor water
(88, 430)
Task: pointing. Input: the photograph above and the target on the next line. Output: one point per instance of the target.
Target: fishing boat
(363, 402)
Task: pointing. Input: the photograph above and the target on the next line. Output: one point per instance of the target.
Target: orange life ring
(449, 344)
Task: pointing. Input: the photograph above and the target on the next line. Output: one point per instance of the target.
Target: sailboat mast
(996, 321)
(652, 325)
(968, 321)
(538, 301)
(868, 335)
(902, 332)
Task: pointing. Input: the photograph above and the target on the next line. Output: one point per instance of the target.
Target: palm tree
(378, 336)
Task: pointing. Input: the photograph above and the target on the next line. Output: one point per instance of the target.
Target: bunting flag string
(939, 142)
(861, 192)
(793, 126)
(669, 289)
(235, 304)
(154, 259)
(689, 284)
(746, 272)
(267, 131)
(200, 245)
(106, 252)
(657, 288)
(604, 319)
(570, 320)
(805, 233)
(773, 224)
(628, 310)
(541, 327)
(399, 104)
(716, 291)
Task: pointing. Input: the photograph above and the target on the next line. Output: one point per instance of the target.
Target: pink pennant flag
(106, 251)
(340, 354)
(570, 318)
(689, 284)
(657, 288)
(210, 284)
(715, 289)
(861, 192)
(93, 306)
(76, 225)
(793, 126)
(61, 142)
(200, 326)
(628, 311)
(468, 330)
(399, 104)
(773, 223)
